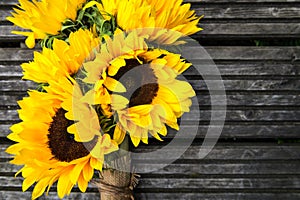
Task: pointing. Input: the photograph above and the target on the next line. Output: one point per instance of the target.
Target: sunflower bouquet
(104, 79)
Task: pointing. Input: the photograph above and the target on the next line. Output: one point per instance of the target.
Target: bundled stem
(116, 180)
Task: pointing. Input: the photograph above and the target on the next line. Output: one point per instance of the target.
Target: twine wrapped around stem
(116, 182)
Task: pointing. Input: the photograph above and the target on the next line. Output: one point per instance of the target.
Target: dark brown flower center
(62, 144)
(139, 81)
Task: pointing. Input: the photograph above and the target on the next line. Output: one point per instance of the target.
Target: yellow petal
(119, 134)
(88, 172)
(40, 188)
(135, 140)
(116, 64)
(82, 183)
(30, 41)
(63, 184)
(114, 85)
(74, 175)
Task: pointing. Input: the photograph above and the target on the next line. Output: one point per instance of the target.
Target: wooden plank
(234, 68)
(249, 30)
(237, 85)
(255, 100)
(228, 12)
(205, 169)
(52, 195)
(217, 53)
(228, 195)
(4, 13)
(274, 131)
(224, 29)
(15, 55)
(205, 115)
(241, 53)
(198, 85)
(8, 2)
(234, 152)
(177, 184)
(8, 71)
(221, 169)
(12, 2)
(230, 151)
(246, 68)
(163, 195)
(220, 183)
(6, 35)
(16, 85)
(246, 12)
(242, 1)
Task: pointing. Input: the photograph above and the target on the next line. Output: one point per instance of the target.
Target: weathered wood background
(262, 86)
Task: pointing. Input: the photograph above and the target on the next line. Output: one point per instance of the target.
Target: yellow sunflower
(155, 18)
(63, 60)
(48, 151)
(43, 17)
(138, 86)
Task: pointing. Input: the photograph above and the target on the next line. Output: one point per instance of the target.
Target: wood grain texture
(263, 106)
(262, 69)
(270, 130)
(215, 11)
(222, 151)
(205, 169)
(225, 29)
(163, 195)
(191, 184)
(217, 53)
(198, 85)
(256, 101)
(239, 1)
(12, 2)
(205, 115)
(258, 12)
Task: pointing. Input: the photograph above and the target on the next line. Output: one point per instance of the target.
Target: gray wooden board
(250, 30)
(222, 151)
(242, 1)
(229, 195)
(12, 2)
(190, 184)
(237, 169)
(274, 130)
(217, 53)
(225, 29)
(263, 103)
(201, 85)
(233, 68)
(258, 101)
(222, 12)
(223, 53)
(259, 12)
(205, 115)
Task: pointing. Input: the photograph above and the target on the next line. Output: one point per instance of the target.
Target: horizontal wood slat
(255, 101)
(217, 53)
(262, 69)
(228, 195)
(271, 130)
(225, 29)
(191, 184)
(222, 151)
(263, 109)
(221, 11)
(205, 115)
